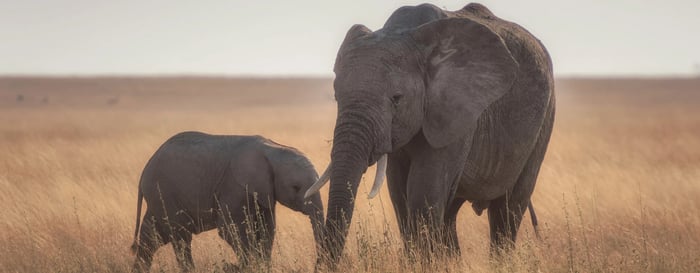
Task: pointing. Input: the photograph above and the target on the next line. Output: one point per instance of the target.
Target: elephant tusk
(379, 176)
(325, 177)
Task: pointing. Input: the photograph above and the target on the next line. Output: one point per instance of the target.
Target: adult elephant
(197, 182)
(458, 105)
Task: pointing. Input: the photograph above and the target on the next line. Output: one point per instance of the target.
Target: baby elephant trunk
(314, 209)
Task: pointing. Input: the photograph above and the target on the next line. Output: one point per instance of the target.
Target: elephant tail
(135, 245)
(533, 217)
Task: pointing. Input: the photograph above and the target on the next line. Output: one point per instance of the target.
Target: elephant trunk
(353, 144)
(315, 213)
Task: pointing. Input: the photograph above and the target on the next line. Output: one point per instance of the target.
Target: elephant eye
(296, 188)
(396, 98)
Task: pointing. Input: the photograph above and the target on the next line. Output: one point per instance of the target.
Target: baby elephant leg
(233, 221)
(151, 237)
(264, 233)
(182, 245)
(250, 232)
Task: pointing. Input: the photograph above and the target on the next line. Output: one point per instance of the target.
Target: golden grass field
(619, 190)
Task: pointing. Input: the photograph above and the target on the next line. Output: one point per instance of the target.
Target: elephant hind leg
(505, 216)
(182, 245)
(506, 212)
(150, 239)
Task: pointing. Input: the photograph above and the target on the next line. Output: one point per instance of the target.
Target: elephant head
(423, 73)
(293, 175)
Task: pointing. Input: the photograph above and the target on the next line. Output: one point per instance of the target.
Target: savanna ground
(619, 190)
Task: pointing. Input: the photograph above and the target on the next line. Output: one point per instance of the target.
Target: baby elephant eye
(296, 188)
(396, 98)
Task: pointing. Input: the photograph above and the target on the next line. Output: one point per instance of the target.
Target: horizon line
(308, 76)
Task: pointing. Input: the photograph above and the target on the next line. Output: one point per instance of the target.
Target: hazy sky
(595, 37)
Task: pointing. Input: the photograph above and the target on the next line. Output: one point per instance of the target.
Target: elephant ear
(355, 32)
(469, 67)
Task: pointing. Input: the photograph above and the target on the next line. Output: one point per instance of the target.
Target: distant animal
(456, 106)
(197, 182)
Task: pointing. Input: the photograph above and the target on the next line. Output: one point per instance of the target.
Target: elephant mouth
(374, 157)
(376, 154)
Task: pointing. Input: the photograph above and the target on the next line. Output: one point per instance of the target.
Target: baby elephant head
(293, 175)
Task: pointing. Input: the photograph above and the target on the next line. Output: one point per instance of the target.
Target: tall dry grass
(619, 190)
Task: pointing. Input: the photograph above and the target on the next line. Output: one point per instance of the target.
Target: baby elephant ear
(469, 67)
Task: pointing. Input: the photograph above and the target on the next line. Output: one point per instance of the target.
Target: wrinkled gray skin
(197, 182)
(463, 104)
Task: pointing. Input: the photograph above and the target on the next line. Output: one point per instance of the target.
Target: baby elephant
(197, 182)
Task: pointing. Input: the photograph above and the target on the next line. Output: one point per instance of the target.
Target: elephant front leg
(231, 227)
(182, 245)
(250, 232)
(264, 229)
(426, 210)
(450, 232)
(397, 175)
(431, 185)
